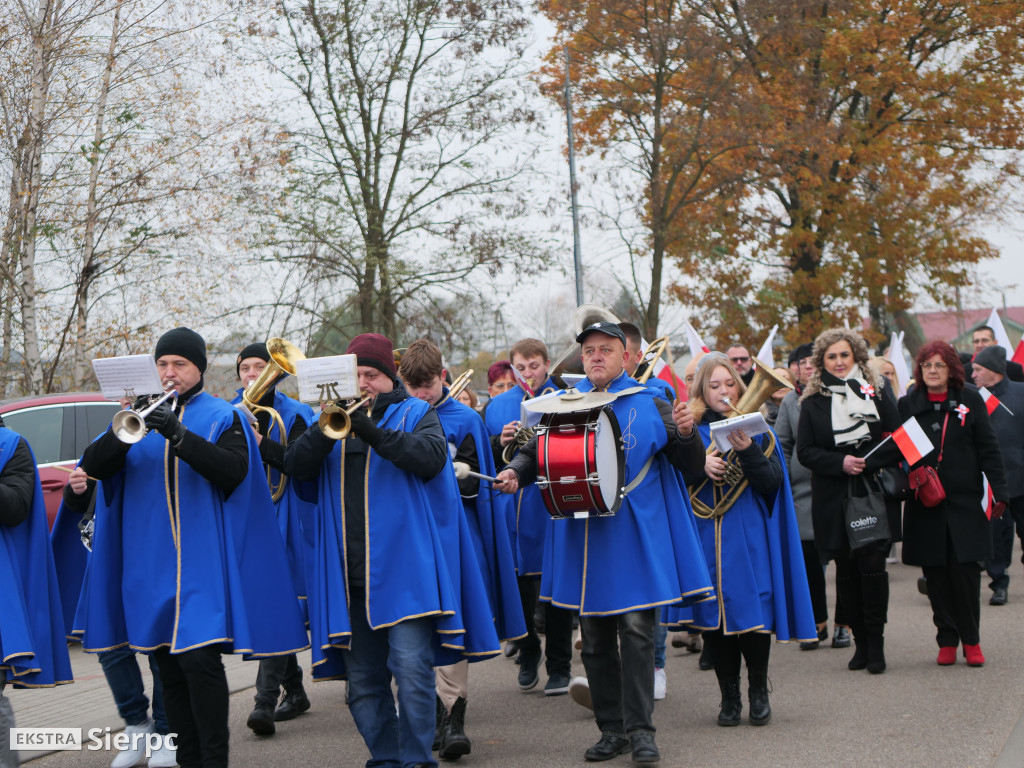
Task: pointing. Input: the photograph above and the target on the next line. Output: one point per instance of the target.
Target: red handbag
(924, 481)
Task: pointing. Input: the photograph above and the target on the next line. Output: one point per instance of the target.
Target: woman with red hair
(949, 540)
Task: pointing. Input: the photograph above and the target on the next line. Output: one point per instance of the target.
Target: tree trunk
(88, 271)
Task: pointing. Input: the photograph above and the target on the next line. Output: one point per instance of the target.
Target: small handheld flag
(991, 401)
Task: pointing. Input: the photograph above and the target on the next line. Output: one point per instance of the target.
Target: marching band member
(752, 548)
(187, 562)
(528, 521)
(33, 651)
(394, 591)
(423, 372)
(619, 570)
(277, 672)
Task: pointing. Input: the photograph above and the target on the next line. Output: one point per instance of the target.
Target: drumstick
(69, 471)
(463, 471)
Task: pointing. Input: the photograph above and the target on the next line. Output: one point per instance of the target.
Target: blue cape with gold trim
(647, 554)
(757, 563)
(193, 570)
(33, 650)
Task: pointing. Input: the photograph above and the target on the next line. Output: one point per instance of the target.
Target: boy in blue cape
(391, 596)
(187, 562)
(528, 523)
(423, 372)
(619, 570)
(33, 652)
(279, 671)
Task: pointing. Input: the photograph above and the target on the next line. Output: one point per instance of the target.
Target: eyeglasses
(933, 366)
(739, 359)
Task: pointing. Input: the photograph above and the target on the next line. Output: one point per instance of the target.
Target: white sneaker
(660, 683)
(135, 753)
(579, 691)
(164, 756)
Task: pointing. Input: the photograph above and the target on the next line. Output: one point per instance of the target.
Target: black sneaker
(644, 748)
(528, 661)
(611, 745)
(841, 638)
(558, 685)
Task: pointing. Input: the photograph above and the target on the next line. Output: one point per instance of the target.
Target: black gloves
(363, 426)
(163, 420)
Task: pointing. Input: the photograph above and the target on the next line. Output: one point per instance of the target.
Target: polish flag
(1002, 338)
(912, 441)
(991, 401)
(899, 362)
(987, 497)
(695, 342)
(522, 382)
(663, 371)
(1018, 356)
(766, 354)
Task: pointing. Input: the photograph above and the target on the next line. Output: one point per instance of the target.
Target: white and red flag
(987, 497)
(991, 401)
(1018, 356)
(522, 382)
(694, 341)
(765, 354)
(1002, 337)
(664, 372)
(912, 441)
(899, 362)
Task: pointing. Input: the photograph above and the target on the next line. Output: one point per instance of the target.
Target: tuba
(283, 357)
(733, 484)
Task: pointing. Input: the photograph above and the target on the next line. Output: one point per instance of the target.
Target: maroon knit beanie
(374, 350)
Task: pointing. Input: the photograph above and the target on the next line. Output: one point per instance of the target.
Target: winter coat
(970, 448)
(1008, 424)
(830, 486)
(799, 475)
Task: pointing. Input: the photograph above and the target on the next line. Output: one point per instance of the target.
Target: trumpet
(336, 419)
(130, 426)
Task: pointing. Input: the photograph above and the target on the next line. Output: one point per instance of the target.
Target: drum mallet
(462, 471)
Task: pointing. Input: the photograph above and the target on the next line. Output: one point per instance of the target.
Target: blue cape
(70, 557)
(757, 561)
(662, 387)
(33, 650)
(487, 522)
(525, 511)
(291, 510)
(193, 570)
(408, 572)
(647, 554)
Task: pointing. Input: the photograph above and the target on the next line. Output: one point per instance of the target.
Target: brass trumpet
(336, 419)
(460, 384)
(130, 426)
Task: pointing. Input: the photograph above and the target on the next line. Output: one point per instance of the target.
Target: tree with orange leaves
(885, 131)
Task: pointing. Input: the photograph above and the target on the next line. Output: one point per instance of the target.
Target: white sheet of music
(752, 424)
(127, 376)
(327, 378)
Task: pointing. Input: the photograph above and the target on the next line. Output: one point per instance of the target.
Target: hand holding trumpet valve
(163, 420)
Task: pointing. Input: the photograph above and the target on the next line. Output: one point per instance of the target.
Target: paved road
(916, 714)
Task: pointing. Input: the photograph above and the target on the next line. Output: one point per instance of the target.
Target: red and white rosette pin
(867, 390)
(962, 410)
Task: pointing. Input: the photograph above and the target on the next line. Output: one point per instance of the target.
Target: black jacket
(17, 485)
(969, 450)
(1008, 424)
(830, 486)
(422, 452)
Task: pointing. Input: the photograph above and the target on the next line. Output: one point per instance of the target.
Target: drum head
(610, 459)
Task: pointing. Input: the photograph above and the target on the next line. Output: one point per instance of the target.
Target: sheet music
(127, 376)
(532, 418)
(328, 378)
(752, 424)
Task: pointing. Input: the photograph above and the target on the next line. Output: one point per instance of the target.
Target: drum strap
(639, 478)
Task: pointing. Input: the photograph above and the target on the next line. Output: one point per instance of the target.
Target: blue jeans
(660, 639)
(403, 652)
(124, 678)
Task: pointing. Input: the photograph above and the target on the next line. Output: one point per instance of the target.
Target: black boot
(860, 648)
(876, 611)
(757, 692)
(439, 717)
(261, 721)
(454, 742)
(850, 593)
(293, 704)
(732, 703)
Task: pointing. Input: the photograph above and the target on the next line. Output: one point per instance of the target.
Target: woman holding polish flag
(949, 540)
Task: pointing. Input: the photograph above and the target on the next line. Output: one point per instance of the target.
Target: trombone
(130, 426)
(651, 355)
(336, 419)
(460, 384)
(283, 357)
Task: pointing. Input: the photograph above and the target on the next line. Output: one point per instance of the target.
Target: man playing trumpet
(187, 562)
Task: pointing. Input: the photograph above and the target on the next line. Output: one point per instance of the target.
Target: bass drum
(580, 463)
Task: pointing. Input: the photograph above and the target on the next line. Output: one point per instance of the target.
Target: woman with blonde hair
(751, 542)
(846, 411)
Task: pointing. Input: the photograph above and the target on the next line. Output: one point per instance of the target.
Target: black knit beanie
(183, 342)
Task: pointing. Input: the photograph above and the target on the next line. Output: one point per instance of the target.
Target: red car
(58, 428)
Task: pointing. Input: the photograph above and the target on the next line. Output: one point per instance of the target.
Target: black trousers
(954, 590)
(726, 651)
(1002, 543)
(618, 654)
(196, 702)
(816, 581)
(277, 672)
(557, 631)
